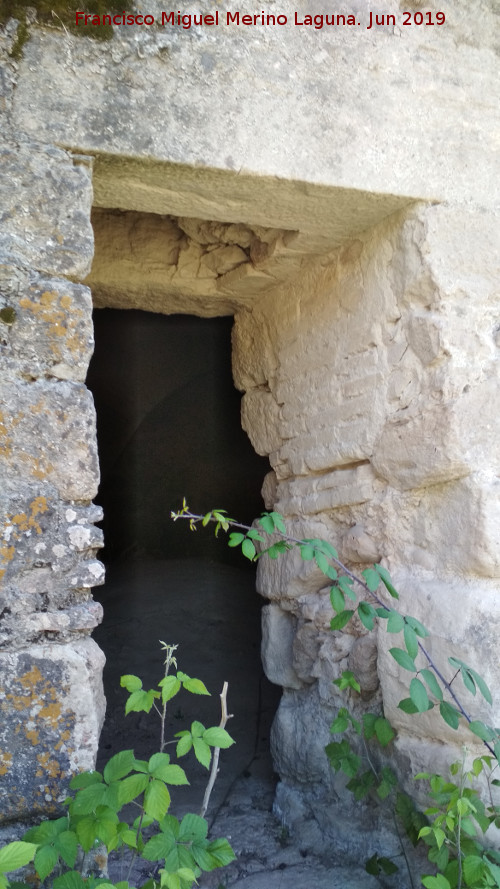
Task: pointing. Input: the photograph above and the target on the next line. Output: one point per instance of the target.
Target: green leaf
(473, 869)
(386, 580)
(86, 830)
(195, 686)
(419, 696)
(372, 579)
(432, 683)
(395, 622)
(185, 743)
(450, 714)
(170, 685)
(221, 851)
(387, 784)
(141, 701)
(67, 846)
(119, 765)
(411, 641)
(46, 859)
(403, 659)
(481, 684)
(438, 882)
(337, 598)
(345, 584)
(217, 737)
(367, 614)
(235, 539)
(71, 880)
(306, 552)
(156, 799)
(407, 706)
(384, 731)
(266, 523)
(197, 729)
(248, 549)
(171, 774)
(192, 827)
(340, 724)
(202, 752)
(468, 681)
(417, 626)
(343, 618)
(481, 730)
(88, 799)
(15, 855)
(85, 779)
(130, 788)
(347, 680)
(322, 562)
(130, 682)
(158, 847)
(279, 522)
(369, 720)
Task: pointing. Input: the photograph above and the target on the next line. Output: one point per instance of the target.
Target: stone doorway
(168, 426)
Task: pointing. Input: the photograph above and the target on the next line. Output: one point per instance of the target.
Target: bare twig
(215, 760)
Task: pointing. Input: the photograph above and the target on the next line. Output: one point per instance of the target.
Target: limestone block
(269, 490)
(278, 630)
(47, 567)
(306, 645)
(299, 735)
(441, 442)
(358, 546)
(47, 433)
(319, 451)
(48, 331)
(363, 663)
(462, 617)
(46, 197)
(52, 707)
(290, 576)
(315, 494)
(260, 418)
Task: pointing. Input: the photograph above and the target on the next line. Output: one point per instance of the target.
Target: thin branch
(194, 519)
(215, 760)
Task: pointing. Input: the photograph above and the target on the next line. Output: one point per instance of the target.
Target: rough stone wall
(372, 383)
(51, 699)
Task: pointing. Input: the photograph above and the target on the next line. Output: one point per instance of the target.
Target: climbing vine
(449, 827)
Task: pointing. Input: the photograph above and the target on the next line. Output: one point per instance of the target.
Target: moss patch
(60, 14)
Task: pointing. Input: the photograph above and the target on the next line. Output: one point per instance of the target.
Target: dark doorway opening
(168, 427)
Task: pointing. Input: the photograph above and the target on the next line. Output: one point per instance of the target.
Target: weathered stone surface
(278, 631)
(48, 566)
(225, 97)
(45, 326)
(53, 707)
(47, 433)
(166, 264)
(46, 197)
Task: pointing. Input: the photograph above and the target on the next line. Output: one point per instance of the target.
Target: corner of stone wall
(51, 698)
(372, 384)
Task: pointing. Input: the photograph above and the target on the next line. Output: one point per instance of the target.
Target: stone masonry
(347, 218)
(51, 698)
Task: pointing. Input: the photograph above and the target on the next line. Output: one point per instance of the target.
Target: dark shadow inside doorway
(168, 426)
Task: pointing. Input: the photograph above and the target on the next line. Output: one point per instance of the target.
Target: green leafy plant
(178, 850)
(450, 829)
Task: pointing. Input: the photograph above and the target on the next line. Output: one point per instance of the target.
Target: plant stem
(194, 519)
(215, 760)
